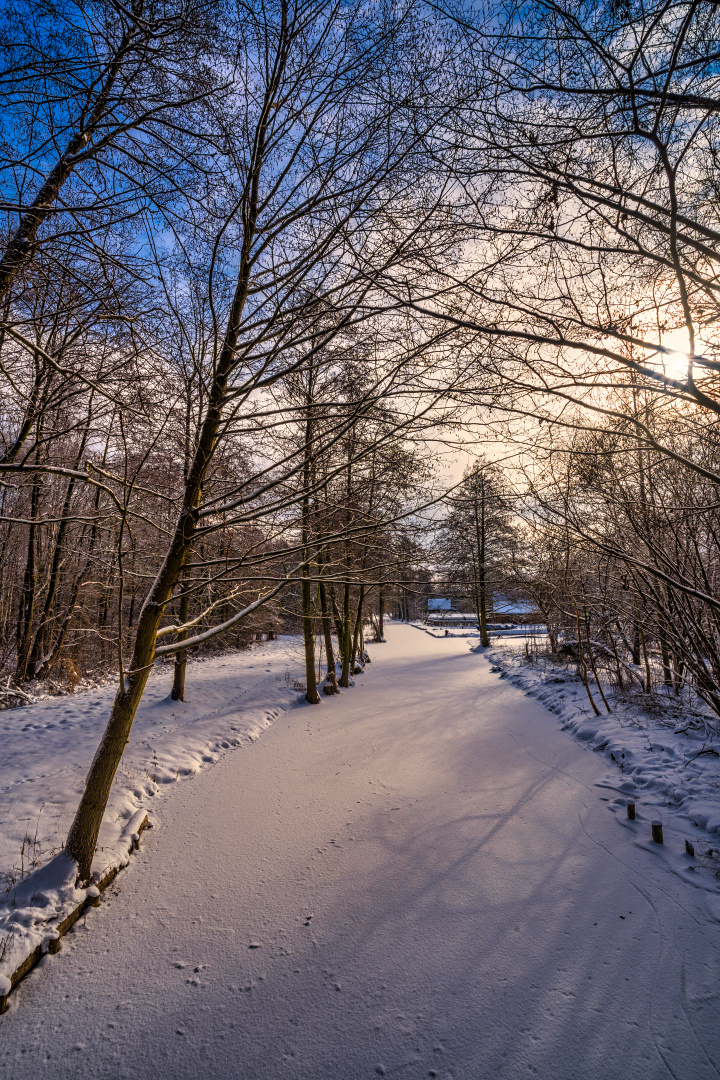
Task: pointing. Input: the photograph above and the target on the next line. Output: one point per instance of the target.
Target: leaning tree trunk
(84, 830)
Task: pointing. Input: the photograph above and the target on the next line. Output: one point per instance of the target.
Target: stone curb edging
(59, 931)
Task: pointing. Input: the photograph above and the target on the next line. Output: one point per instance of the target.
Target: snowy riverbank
(661, 751)
(48, 747)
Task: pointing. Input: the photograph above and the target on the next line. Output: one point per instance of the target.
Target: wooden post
(631, 810)
(689, 848)
(657, 832)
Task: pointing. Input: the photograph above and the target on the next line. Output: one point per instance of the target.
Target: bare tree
(475, 537)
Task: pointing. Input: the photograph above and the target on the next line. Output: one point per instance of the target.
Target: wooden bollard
(689, 848)
(631, 810)
(657, 834)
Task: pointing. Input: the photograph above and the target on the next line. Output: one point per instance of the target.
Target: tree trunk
(308, 610)
(308, 620)
(357, 633)
(636, 644)
(327, 633)
(641, 636)
(27, 599)
(84, 830)
(346, 639)
(679, 666)
(667, 670)
(551, 628)
(41, 644)
(593, 665)
(618, 665)
(581, 658)
(59, 641)
(480, 539)
(180, 665)
(337, 617)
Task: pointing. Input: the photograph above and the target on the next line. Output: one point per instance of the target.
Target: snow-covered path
(418, 879)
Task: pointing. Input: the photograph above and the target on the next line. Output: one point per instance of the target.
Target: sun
(675, 365)
(675, 361)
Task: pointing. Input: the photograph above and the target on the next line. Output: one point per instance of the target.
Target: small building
(439, 605)
(517, 611)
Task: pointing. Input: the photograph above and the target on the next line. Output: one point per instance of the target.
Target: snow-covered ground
(420, 878)
(47, 748)
(662, 752)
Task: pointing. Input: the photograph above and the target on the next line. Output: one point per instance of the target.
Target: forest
(310, 311)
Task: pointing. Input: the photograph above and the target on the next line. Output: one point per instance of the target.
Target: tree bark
(308, 613)
(27, 599)
(581, 658)
(43, 636)
(327, 633)
(480, 539)
(346, 641)
(180, 665)
(357, 632)
(593, 664)
(337, 617)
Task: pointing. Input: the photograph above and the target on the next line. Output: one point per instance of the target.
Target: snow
(660, 752)
(423, 877)
(48, 748)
